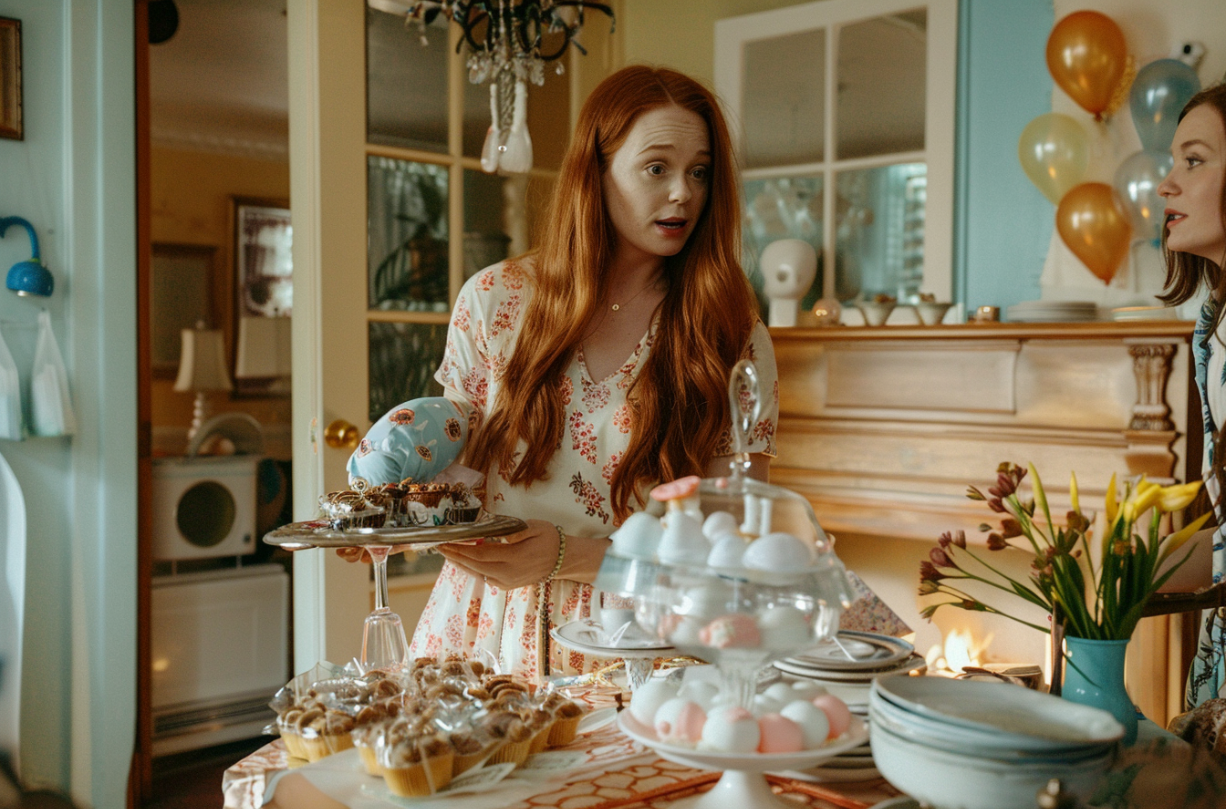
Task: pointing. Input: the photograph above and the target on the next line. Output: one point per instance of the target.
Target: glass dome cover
(737, 572)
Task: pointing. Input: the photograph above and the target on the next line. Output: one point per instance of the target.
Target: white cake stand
(743, 783)
(639, 660)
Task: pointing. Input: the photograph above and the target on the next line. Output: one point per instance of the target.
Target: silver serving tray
(320, 534)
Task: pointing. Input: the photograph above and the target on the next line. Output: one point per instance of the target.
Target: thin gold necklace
(618, 306)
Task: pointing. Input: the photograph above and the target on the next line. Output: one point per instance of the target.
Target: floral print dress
(468, 616)
(1207, 679)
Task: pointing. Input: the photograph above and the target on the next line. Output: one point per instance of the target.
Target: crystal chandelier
(504, 42)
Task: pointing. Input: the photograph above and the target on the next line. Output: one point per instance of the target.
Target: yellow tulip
(1040, 497)
(1178, 497)
(1144, 497)
(1072, 492)
(1175, 540)
(1109, 505)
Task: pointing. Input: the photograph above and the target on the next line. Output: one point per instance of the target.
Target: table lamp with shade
(202, 368)
(264, 352)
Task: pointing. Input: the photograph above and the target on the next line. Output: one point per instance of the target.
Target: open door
(391, 214)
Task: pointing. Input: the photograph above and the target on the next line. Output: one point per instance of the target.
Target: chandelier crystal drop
(506, 45)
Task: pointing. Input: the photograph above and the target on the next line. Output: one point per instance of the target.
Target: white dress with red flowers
(467, 616)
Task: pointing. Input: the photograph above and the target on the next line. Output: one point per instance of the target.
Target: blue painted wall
(1002, 224)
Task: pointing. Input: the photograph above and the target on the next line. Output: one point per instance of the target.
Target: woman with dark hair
(597, 366)
(1194, 243)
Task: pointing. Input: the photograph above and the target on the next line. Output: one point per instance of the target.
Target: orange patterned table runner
(617, 773)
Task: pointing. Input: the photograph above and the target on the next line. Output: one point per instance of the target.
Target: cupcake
(368, 726)
(287, 723)
(539, 721)
(513, 736)
(565, 723)
(418, 766)
(470, 750)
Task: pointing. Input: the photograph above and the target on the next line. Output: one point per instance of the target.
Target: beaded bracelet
(561, 553)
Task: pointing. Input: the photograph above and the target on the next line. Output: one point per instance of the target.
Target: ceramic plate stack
(1052, 312)
(981, 745)
(847, 669)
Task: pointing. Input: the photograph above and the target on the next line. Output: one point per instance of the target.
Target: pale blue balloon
(1136, 181)
(1158, 94)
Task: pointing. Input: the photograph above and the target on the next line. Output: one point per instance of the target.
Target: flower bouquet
(1097, 593)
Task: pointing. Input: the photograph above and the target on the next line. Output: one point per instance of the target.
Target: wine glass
(383, 641)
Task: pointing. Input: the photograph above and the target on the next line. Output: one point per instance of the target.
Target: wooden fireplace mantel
(883, 428)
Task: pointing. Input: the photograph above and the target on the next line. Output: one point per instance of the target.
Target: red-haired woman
(1194, 241)
(599, 365)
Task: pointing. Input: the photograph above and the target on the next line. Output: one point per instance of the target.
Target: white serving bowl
(945, 780)
(1015, 714)
(956, 739)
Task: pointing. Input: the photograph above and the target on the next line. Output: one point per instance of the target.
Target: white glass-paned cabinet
(843, 115)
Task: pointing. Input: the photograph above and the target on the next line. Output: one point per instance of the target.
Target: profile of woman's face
(1193, 188)
(656, 183)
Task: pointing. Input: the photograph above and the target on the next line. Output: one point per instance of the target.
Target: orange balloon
(1094, 227)
(1087, 57)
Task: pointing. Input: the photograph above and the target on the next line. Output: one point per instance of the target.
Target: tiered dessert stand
(384, 645)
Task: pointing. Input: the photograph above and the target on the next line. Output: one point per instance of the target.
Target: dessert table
(609, 772)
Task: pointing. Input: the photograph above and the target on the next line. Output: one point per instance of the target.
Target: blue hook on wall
(28, 277)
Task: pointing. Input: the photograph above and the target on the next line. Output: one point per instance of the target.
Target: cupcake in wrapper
(513, 736)
(566, 717)
(416, 766)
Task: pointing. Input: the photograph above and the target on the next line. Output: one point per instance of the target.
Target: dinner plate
(584, 636)
(822, 774)
(856, 735)
(870, 650)
(809, 672)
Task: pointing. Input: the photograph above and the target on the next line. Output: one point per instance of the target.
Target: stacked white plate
(1052, 311)
(980, 745)
(847, 668)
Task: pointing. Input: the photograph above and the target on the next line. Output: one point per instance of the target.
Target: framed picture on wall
(264, 296)
(10, 79)
(182, 294)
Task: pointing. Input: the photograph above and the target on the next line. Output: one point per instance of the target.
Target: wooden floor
(192, 780)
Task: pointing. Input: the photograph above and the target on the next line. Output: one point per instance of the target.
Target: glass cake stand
(384, 645)
(742, 784)
(638, 659)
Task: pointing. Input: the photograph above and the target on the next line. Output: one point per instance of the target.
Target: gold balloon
(1087, 57)
(1054, 153)
(1094, 228)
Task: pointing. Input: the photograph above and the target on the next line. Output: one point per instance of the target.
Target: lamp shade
(263, 348)
(202, 363)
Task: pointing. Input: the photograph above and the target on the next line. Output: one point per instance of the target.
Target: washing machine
(204, 507)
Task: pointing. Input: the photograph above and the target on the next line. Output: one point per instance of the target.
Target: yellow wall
(681, 33)
(191, 204)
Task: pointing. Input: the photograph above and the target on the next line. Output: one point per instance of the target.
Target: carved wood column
(1151, 432)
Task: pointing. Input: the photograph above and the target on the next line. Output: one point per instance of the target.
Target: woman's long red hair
(679, 403)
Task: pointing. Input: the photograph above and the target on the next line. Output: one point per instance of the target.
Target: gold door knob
(340, 434)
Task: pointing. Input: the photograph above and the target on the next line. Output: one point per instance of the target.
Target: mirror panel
(403, 359)
(407, 235)
(783, 99)
(881, 101)
(879, 226)
(406, 83)
(783, 208)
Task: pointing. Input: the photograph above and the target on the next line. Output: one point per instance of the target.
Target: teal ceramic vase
(1094, 676)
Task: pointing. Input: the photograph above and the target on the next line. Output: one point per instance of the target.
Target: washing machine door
(204, 507)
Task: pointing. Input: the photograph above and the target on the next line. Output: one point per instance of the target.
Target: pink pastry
(836, 711)
(779, 735)
(731, 632)
(731, 730)
(680, 721)
(675, 489)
